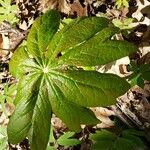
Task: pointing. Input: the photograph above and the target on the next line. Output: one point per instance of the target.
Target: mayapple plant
(51, 78)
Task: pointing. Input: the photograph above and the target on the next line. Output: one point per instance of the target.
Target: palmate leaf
(48, 83)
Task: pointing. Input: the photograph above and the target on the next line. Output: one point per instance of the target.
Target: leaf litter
(139, 97)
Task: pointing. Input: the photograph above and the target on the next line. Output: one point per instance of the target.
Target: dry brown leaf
(103, 115)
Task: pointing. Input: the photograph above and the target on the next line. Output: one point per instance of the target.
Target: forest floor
(133, 108)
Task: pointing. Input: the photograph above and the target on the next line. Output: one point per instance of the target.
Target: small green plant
(3, 138)
(67, 140)
(51, 78)
(8, 11)
(124, 24)
(128, 139)
(7, 95)
(141, 72)
(122, 3)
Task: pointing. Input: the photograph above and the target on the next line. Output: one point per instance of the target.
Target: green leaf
(21, 63)
(88, 43)
(101, 52)
(50, 148)
(145, 71)
(135, 140)
(10, 17)
(67, 135)
(103, 135)
(5, 3)
(123, 24)
(9, 93)
(63, 109)
(52, 141)
(2, 18)
(146, 75)
(20, 121)
(106, 140)
(14, 8)
(3, 138)
(42, 32)
(75, 33)
(124, 144)
(133, 132)
(134, 137)
(2, 10)
(66, 140)
(2, 98)
(125, 3)
(121, 3)
(49, 83)
(11, 89)
(41, 120)
(103, 140)
(136, 79)
(8, 11)
(97, 90)
(32, 109)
